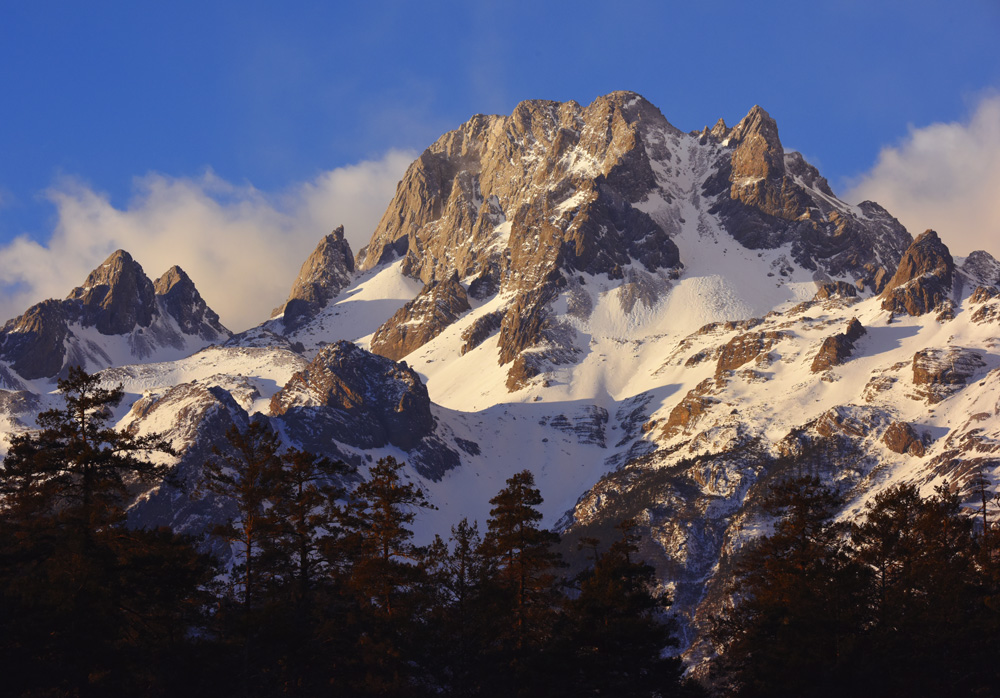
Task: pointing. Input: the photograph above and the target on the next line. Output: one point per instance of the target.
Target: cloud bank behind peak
(944, 176)
(242, 247)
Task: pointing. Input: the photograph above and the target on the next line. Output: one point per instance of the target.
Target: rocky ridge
(517, 205)
(422, 319)
(116, 311)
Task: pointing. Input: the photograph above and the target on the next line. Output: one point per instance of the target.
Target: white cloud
(241, 247)
(945, 177)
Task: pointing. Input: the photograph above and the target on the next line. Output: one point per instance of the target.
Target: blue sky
(97, 98)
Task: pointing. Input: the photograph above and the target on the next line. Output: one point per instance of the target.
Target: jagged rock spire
(923, 280)
(181, 300)
(758, 148)
(323, 275)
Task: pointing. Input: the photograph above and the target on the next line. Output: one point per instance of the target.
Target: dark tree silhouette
(77, 468)
(386, 580)
(796, 595)
(524, 591)
(244, 475)
(86, 602)
(617, 629)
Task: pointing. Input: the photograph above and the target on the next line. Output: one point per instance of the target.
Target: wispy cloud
(242, 247)
(945, 177)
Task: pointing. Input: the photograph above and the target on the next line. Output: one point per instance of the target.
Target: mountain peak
(720, 131)
(523, 204)
(117, 295)
(180, 299)
(323, 275)
(757, 120)
(758, 147)
(174, 276)
(118, 267)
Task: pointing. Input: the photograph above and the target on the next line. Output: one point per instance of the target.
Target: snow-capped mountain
(117, 316)
(657, 323)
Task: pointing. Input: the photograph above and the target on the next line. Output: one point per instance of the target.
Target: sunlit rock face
(117, 315)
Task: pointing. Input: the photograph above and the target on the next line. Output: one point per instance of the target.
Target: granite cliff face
(515, 204)
(572, 171)
(518, 206)
(766, 198)
(117, 313)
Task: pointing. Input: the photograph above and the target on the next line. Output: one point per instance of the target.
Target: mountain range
(658, 324)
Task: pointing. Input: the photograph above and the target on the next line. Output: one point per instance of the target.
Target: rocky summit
(118, 315)
(324, 274)
(660, 324)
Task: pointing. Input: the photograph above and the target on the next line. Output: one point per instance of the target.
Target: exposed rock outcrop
(987, 312)
(938, 373)
(923, 281)
(587, 425)
(841, 420)
(900, 437)
(982, 294)
(835, 289)
(477, 333)
(744, 348)
(355, 397)
(436, 307)
(837, 348)
(323, 275)
(691, 409)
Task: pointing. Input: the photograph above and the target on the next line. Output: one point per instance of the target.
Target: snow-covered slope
(657, 324)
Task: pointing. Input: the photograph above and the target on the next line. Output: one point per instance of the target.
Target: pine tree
(796, 593)
(307, 518)
(306, 515)
(526, 594)
(459, 571)
(616, 628)
(88, 605)
(924, 595)
(78, 468)
(387, 580)
(243, 475)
